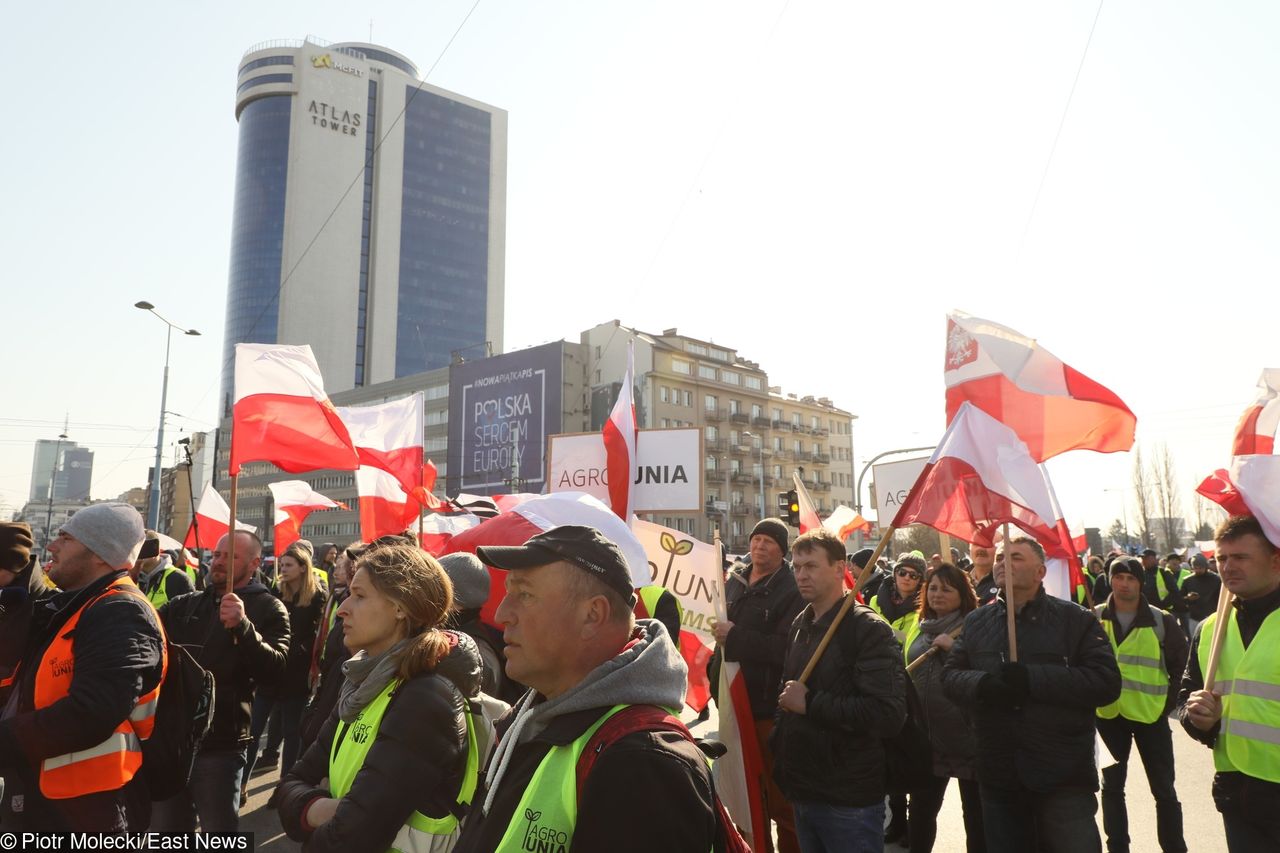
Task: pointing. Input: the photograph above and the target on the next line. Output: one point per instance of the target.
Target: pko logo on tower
(326, 60)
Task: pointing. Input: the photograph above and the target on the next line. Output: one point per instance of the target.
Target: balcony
(821, 486)
(713, 414)
(739, 509)
(740, 418)
(743, 477)
(822, 458)
(716, 445)
(821, 431)
(783, 425)
(804, 456)
(761, 421)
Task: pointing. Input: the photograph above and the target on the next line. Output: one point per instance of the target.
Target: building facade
(369, 214)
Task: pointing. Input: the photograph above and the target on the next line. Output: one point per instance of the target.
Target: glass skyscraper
(369, 213)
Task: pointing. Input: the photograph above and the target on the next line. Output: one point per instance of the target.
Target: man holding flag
(1033, 715)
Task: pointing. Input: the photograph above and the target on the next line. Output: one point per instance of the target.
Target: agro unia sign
(688, 569)
(667, 475)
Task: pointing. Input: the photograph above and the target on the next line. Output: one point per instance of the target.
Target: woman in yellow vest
(396, 763)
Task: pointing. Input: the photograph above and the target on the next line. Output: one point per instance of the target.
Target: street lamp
(153, 501)
(761, 449)
(53, 475)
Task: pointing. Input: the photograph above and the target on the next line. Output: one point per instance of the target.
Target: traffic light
(784, 505)
(793, 508)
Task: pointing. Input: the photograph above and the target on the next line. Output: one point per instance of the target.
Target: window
(754, 383)
(777, 415)
(664, 393)
(711, 433)
(696, 349)
(706, 371)
(756, 442)
(777, 445)
(733, 437)
(719, 354)
(688, 399)
(437, 445)
(795, 448)
(728, 377)
(440, 417)
(678, 366)
(813, 424)
(438, 392)
(777, 472)
(817, 448)
(598, 358)
(711, 463)
(757, 411)
(737, 530)
(795, 419)
(735, 407)
(710, 402)
(735, 467)
(737, 498)
(664, 423)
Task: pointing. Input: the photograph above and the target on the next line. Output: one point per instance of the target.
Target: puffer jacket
(1048, 743)
(950, 737)
(832, 753)
(416, 763)
(761, 615)
(240, 660)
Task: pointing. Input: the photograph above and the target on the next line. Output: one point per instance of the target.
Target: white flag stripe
(386, 426)
(279, 370)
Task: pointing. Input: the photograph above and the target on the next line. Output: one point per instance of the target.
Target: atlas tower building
(369, 214)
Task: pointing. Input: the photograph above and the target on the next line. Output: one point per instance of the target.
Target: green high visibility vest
(160, 595)
(902, 625)
(1161, 587)
(1144, 683)
(649, 597)
(351, 744)
(1249, 681)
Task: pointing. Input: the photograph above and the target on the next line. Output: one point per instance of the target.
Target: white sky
(813, 183)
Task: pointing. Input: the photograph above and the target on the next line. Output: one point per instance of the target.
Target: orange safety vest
(112, 763)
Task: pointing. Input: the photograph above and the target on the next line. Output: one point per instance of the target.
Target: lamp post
(761, 450)
(53, 476)
(153, 500)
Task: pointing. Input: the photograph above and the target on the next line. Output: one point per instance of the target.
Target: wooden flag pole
(1009, 608)
(1219, 634)
(231, 537)
(953, 633)
(848, 603)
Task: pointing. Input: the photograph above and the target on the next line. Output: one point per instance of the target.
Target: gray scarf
(932, 628)
(366, 677)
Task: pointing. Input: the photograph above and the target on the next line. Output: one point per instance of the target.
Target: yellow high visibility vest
(1249, 681)
(1144, 683)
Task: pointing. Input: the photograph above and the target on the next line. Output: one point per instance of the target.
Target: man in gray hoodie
(572, 638)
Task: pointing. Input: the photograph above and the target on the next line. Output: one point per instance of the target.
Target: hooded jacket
(416, 762)
(240, 659)
(677, 811)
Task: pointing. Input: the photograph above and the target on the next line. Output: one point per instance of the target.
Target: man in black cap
(572, 638)
(762, 602)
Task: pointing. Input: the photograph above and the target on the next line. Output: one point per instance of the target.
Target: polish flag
(844, 522)
(1207, 547)
(423, 494)
(212, 521)
(1219, 488)
(515, 526)
(808, 515)
(439, 528)
(1049, 405)
(294, 500)
(389, 436)
(1079, 540)
(981, 476)
(620, 444)
(282, 415)
(1256, 479)
(384, 507)
(1256, 432)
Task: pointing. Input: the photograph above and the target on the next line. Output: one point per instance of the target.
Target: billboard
(501, 411)
(893, 480)
(668, 470)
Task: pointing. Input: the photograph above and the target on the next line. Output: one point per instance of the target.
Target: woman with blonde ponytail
(395, 765)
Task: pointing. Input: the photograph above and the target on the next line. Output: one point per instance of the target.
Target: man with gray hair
(87, 688)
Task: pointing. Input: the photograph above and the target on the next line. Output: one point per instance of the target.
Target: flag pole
(848, 603)
(1010, 614)
(1219, 634)
(953, 633)
(231, 537)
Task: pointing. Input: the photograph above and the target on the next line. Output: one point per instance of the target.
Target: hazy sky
(813, 183)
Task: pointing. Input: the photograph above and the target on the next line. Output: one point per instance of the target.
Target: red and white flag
(1048, 404)
(385, 509)
(981, 476)
(423, 494)
(439, 528)
(844, 522)
(212, 521)
(1256, 479)
(515, 526)
(281, 414)
(1256, 432)
(389, 436)
(620, 444)
(295, 500)
(808, 515)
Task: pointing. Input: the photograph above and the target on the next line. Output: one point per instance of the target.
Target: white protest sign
(893, 480)
(668, 470)
(688, 569)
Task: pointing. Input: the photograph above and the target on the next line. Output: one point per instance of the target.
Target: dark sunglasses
(908, 573)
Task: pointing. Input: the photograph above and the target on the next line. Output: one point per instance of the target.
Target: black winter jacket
(832, 753)
(761, 615)
(116, 646)
(240, 660)
(416, 762)
(333, 653)
(21, 617)
(1048, 743)
(304, 622)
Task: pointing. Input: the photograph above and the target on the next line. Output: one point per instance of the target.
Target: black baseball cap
(1149, 552)
(584, 547)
